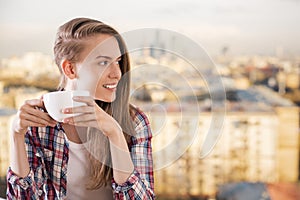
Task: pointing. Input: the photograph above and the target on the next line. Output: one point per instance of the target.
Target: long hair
(69, 43)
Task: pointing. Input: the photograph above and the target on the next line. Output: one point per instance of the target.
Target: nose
(115, 71)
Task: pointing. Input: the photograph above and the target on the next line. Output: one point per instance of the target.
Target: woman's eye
(106, 62)
(118, 62)
(103, 63)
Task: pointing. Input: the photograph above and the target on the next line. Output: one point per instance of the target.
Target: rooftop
(7, 111)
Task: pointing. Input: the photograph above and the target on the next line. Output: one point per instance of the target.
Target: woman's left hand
(92, 115)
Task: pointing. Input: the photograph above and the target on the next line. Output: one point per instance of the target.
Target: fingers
(80, 122)
(90, 115)
(30, 115)
(79, 109)
(39, 115)
(25, 120)
(89, 108)
(80, 118)
(35, 103)
(85, 99)
(87, 116)
(36, 120)
(27, 123)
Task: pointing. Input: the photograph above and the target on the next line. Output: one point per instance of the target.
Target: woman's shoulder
(138, 116)
(141, 122)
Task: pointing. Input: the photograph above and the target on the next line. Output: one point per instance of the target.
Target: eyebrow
(107, 57)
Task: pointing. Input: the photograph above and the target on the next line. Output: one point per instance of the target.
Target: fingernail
(66, 120)
(66, 110)
(76, 98)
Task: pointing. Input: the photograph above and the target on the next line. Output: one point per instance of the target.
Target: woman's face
(98, 70)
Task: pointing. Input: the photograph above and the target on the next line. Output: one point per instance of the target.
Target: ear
(69, 69)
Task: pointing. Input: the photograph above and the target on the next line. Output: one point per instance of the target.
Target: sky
(252, 27)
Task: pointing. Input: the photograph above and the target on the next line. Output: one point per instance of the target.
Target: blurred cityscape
(257, 152)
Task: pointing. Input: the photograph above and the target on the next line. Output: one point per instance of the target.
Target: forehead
(101, 45)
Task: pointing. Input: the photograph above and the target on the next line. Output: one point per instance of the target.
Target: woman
(103, 153)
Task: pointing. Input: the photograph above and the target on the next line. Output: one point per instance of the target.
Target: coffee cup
(55, 102)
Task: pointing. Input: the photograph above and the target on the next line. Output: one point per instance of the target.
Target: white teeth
(110, 86)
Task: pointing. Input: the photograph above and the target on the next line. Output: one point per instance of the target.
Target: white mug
(55, 102)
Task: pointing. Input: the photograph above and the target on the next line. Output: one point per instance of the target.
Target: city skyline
(256, 27)
(254, 145)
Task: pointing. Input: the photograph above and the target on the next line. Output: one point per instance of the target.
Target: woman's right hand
(31, 114)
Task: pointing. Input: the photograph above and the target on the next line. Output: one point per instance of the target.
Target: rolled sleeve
(134, 188)
(15, 180)
(20, 187)
(124, 187)
(140, 184)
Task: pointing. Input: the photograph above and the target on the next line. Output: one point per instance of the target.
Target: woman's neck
(75, 134)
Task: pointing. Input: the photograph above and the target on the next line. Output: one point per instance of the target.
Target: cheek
(89, 79)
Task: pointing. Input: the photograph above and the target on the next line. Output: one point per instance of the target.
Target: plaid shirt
(48, 150)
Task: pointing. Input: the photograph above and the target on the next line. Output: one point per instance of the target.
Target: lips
(110, 86)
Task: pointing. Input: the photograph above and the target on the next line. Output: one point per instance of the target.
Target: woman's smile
(110, 86)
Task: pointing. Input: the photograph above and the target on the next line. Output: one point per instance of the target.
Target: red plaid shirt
(48, 153)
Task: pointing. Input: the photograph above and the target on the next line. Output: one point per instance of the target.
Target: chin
(107, 100)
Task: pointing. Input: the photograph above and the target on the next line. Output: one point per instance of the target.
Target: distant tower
(224, 50)
(281, 78)
(279, 52)
(154, 52)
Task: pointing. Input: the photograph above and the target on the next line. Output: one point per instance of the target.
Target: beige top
(77, 176)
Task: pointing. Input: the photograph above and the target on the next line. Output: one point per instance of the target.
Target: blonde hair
(69, 43)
